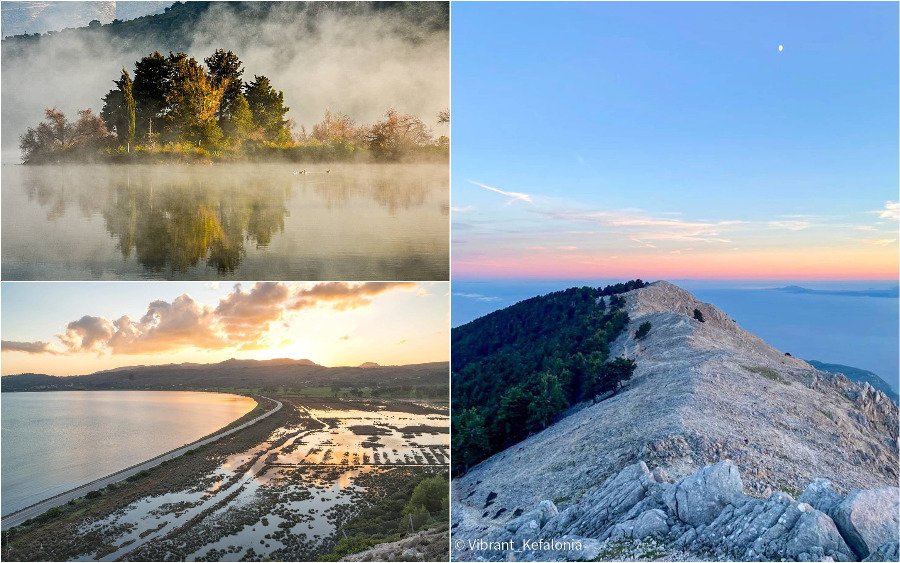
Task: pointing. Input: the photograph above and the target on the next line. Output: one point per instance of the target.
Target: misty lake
(282, 221)
(55, 441)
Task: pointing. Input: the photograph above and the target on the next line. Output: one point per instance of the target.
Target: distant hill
(239, 374)
(858, 375)
(369, 365)
(888, 292)
(175, 28)
(40, 17)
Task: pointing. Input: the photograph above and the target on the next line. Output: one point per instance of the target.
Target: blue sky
(675, 140)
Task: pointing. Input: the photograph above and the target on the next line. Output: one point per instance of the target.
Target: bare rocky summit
(720, 447)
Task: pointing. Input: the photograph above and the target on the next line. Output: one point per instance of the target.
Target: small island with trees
(175, 108)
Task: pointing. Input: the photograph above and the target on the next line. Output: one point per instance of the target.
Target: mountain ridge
(279, 372)
(704, 391)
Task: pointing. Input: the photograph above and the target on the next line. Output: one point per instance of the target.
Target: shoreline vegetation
(173, 108)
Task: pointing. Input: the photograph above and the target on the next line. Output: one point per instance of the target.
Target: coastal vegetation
(516, 370)
(172, 107)
(411, 506)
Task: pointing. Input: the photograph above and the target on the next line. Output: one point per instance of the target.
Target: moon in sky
(780, 48)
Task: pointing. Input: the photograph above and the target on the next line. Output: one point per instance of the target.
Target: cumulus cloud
(87, 333)
(891, 211)
(247, 314)
(27, 347)
(182, 323)
(240, 319)
(342, 296)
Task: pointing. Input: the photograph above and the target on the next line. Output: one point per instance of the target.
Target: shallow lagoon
(226, 221)
(55, 441)
(282, 498)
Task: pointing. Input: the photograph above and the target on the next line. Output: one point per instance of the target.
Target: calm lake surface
(856, 331)
(55, 441)
(226, 221)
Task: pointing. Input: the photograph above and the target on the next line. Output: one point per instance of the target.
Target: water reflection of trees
(171, 221)
(180, 226)
(178, 217)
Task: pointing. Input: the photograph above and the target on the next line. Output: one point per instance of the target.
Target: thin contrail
(513, 196)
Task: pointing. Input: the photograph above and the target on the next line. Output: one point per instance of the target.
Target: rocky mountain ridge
(714, 412)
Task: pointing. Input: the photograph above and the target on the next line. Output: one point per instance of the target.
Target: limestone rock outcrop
(704, 514)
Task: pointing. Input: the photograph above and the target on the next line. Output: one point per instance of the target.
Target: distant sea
(56, 441)
(834, 322)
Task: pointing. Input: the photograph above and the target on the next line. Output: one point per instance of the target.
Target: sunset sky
(77, 328)
(675, 141)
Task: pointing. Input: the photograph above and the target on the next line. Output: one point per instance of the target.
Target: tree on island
(130, 123)
(119, 110)
(152, 82)
(396, 134)
(268, 109)
(178, 107)
(226, 69)
(238, 123)
(56, 136)
(193, 103)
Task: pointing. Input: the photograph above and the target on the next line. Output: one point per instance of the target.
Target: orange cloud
(246, 315)
(27, 347)
(342, 296)
(240, 319)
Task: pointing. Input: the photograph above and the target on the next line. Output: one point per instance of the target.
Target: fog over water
(226, 221)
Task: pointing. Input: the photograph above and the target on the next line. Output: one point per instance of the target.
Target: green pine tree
(268, 109)
(128, 106)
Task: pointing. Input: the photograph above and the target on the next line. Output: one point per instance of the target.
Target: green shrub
(642, 331)
(768, 373)
(430, 494)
